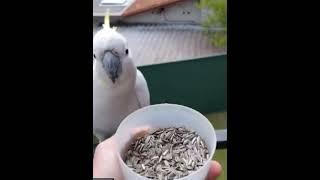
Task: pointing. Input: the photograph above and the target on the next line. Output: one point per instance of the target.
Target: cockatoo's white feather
(142, 91)
(113, 100)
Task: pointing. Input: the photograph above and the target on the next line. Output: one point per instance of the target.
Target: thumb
(214, 171)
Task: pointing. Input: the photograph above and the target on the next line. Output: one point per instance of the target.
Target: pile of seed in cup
(167, 153)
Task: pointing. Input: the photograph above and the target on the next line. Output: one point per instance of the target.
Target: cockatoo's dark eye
(94, 56)
(127, 51)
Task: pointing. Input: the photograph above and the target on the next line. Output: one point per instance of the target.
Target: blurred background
(180, 45)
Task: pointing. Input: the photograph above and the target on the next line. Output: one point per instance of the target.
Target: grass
(219, 121)
(221, 156)
(95, 140)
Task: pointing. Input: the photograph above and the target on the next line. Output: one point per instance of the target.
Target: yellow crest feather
(107, 20)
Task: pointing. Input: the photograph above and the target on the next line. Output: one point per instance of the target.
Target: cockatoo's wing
(141, 90)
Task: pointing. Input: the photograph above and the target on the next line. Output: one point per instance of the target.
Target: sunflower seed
(160, 159)
(167, 153)
(193, 140)
(154, 157)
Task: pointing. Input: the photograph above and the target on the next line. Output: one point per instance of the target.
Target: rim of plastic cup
(146, 108)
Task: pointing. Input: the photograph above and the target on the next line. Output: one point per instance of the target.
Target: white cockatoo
(119, 88)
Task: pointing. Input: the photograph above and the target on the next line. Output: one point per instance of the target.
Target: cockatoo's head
(110, 49)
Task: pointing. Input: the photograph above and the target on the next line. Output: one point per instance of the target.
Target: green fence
(200, 83)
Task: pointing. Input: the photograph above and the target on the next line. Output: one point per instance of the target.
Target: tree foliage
(216, 18)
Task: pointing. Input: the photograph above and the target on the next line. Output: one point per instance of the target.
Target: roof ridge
(140, 6)
(165, 26)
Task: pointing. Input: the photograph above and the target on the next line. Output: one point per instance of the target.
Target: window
(115, 7)
(113, 2)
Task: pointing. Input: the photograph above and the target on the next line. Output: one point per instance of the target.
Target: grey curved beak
(112, 66)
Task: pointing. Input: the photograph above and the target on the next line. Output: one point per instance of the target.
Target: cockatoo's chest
(126, 102)
(114, 102)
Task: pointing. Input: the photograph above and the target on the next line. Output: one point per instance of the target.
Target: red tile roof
(140, 6)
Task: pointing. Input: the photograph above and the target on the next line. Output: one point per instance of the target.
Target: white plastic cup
(164, 116)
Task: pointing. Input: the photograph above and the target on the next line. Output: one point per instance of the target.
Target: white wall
(97, 10)
(181, 12)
